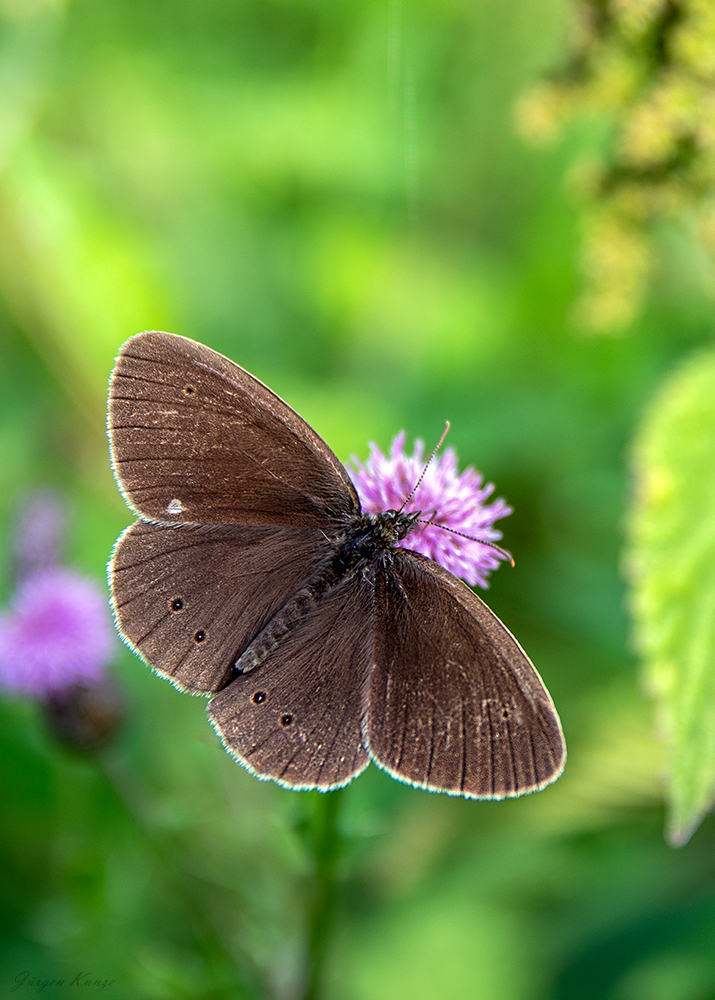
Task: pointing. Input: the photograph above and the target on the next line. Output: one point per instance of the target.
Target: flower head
(58, 633)
(452, 500)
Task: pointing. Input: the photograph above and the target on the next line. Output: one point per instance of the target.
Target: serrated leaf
(671, 564)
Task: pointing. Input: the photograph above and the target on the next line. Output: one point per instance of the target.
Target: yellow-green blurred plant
(671, 565)
(644, 72)
(645, 69)
(73, 274)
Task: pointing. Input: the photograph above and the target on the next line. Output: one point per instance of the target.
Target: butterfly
(253, 577)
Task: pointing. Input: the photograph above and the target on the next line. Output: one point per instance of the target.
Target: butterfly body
(370, 538)
(366, 540)
(253, 576)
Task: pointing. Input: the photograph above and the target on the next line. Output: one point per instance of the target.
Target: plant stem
(172, 856)
(326, 844)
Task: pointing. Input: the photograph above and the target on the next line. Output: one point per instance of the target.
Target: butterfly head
(371, 537)
(397, 524)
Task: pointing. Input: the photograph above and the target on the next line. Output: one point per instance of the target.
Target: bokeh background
(337, 197)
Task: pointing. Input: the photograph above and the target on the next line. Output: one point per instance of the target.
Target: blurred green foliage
(333, 196)
(672, 561)
(642, 74)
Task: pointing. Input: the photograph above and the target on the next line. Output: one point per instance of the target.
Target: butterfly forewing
(195, 438)
(190, 599)
(297, 717)
(454, 704)
(251, 541)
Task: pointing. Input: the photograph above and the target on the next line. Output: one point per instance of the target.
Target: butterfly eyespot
(324, 606)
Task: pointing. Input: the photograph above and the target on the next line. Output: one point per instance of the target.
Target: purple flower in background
(448, 498)
(58, 633)
(56, 638)
(39, 532)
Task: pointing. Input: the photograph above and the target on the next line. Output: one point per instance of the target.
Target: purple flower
(58, 633)
(38, 534)
(57, 636)
(448, 498)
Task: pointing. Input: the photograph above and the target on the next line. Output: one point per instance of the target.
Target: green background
(334, 196)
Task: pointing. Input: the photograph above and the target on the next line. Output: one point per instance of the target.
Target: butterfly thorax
(370, 537)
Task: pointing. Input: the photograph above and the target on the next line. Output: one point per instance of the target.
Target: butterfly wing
(189, 599)
(454, 703)
(296, 718)
(195, 439)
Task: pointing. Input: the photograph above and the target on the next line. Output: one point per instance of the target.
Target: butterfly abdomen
(252, 556)
(366, 539)
(296, 610)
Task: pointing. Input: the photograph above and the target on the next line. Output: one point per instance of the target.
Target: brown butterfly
(253, 576)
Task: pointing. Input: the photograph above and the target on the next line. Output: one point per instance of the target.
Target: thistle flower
(58, 633)
(451, 499)
(56, 638)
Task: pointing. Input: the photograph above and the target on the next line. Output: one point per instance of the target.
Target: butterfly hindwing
(196, 439)
(454, 704)
(296, 718)
(190, 599)
(250, 524)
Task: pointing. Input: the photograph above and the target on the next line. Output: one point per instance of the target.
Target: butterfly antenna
(435, 524)
(427, 464)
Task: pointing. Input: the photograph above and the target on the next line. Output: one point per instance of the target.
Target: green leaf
(671, 563)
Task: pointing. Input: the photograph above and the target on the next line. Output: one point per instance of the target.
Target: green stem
(326, 844)
(170, 852)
